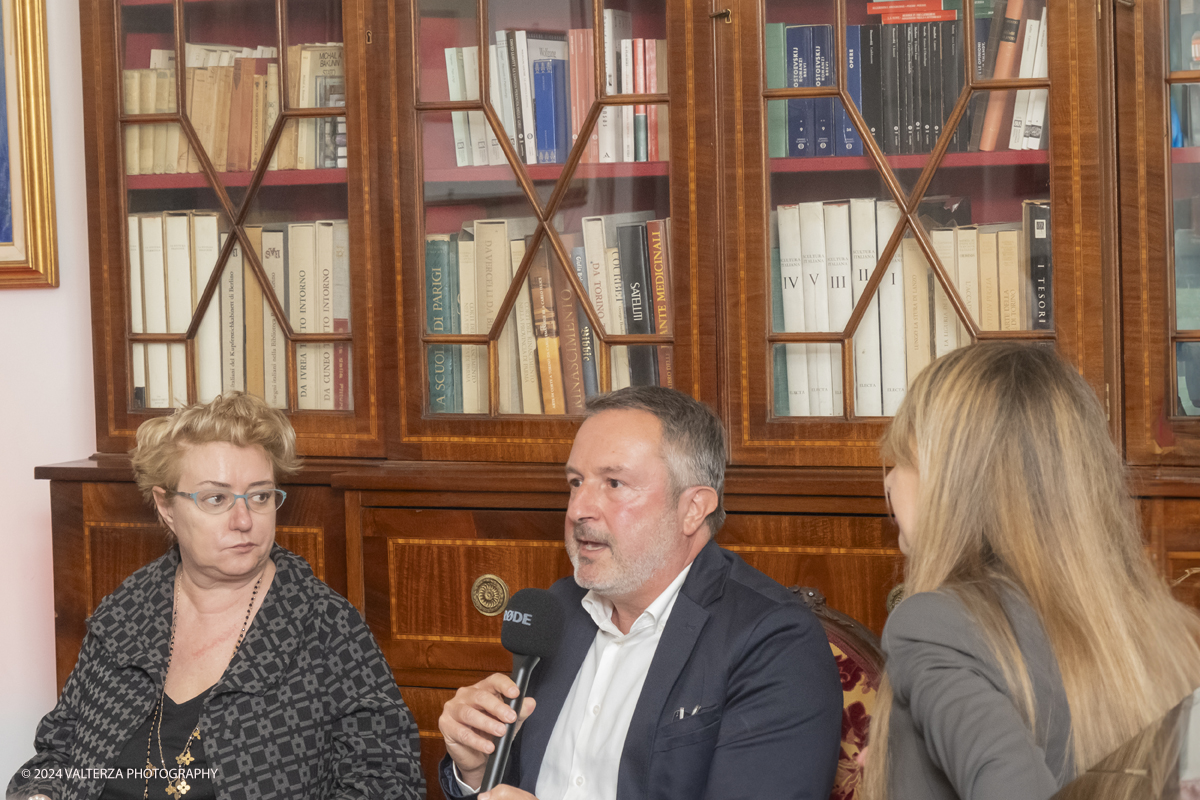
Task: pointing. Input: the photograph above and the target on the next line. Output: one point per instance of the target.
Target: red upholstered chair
(860, 664)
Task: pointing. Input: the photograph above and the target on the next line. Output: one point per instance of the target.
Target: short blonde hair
(235, 417)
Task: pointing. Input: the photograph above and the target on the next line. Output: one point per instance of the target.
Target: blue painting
(6, 200)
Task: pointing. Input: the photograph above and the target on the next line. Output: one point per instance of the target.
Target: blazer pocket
(689, 730)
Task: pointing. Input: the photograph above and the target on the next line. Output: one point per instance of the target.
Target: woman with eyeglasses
(224, 669)
(1036, 636)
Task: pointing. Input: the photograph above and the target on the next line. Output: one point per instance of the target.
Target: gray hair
(693, 439)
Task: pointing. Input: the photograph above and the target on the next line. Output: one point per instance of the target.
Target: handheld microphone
(532, 627)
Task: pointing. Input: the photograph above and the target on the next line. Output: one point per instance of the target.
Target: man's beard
(625, 576)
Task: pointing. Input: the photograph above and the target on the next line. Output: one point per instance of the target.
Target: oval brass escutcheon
(489, 594)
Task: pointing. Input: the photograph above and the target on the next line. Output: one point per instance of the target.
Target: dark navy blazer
(743, 649)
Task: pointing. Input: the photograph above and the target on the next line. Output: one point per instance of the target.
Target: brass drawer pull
(489, 595)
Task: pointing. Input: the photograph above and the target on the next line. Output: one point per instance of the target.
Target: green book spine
(437, 321)
(782, 408)
(776, 55)
(639, 137)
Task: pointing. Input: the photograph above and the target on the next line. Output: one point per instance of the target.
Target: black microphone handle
(498, 760)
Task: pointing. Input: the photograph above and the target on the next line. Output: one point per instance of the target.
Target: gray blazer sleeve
(942, 671)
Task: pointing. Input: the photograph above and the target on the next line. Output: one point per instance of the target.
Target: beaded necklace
(179, 786)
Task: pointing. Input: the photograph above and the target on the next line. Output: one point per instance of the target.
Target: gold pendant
(184, 758)
(171, 790)
(183, 786)
(196, 733)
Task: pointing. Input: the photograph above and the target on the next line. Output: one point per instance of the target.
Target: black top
(178, 722)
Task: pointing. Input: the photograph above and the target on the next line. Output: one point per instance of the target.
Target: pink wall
(46, 412)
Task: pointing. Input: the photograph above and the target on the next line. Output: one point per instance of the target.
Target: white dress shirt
(583, 755)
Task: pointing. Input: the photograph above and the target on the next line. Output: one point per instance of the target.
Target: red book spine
(652, 109)
(904, 6)
(919, 16)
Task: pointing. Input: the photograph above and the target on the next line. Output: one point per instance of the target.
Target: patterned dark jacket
(308, 707)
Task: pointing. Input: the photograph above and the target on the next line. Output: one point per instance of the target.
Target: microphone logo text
(518, 617)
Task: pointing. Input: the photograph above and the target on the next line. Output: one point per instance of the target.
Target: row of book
(239, 344)
(905, 78)
(233, 102)
(547, 350)
(541, 85)
(823, 255)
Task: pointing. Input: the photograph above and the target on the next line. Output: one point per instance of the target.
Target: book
(504, 66)
(331, 91)
(253, 299)
(137, 313)
(914, 108)
(587, 341)
(567, 315)
(872, 81)
(841, 293)
(989, 281)
(891, 86)
(598, 283)
(775, 54)
(241, 109)
(546, 332)
(581, 58)
(323, 273)
(1016, 137)
(536, 46)
(868, 393)
(258, 119)
(660, 292)
(459, 124)
(641, 144)
(979, 101)
(233, 320)
(131, 96)
(202, 111)
(933, 72)
(163, 83)
(147, 104)
(222, 106)
(662, 112)
(779, 380)
(945, 321)
(619, 366)
(651, 87)
(343, 396)
(1041, 264)
(495, 151)
(274, 264)
(177, 257)
(1008, 267)
(551, 104)
(272, 110)
(966, 241)
(206, 248)
(824, 120)
(441, 366)
(798, 39)
(302, 311)
(1004, 66)
(791, 272)
(628, 142)
(849, 143)
(154, 302)
(1035, 116)
(816, 306)
(474, 358)
(493, 274)
(916, 307)
(633, 250)
(952, 80)
(522, 320)
(315, 60)
(476, 121)
(618, 25)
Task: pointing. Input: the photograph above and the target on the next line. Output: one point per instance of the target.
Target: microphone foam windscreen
(533, 623)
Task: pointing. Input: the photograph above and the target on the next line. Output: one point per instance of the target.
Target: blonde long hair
(1020, 484)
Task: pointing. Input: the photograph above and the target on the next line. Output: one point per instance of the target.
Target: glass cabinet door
(906, 179)
(240, 257)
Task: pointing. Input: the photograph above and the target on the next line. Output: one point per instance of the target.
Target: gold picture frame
(28, 239)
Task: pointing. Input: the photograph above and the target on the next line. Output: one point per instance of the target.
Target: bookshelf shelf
(548, 172)
(959, 160)
(197, 180)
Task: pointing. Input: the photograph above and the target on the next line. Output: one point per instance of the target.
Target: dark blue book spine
(849, 142)
(562, 104)
(587, 343)
(823, 118)
(800, 75)
(550, 110)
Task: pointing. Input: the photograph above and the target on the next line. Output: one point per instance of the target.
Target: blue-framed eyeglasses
(217, 501)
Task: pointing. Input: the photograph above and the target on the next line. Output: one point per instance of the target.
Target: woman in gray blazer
(1037, 635)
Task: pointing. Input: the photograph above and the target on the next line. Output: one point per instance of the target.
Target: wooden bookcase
(405, 510)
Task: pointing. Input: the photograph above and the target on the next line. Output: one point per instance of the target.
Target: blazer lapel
(553, 686)
(703, 585)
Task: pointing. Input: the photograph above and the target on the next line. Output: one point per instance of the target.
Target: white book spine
(301, 307)
(617, 25)
(531, 391)
(967, 243)
(945, 321)
(893, 373)
(137, 313)
(474, 369)
(841, 294)
(206, 246)
(1036, 116)
(868, 396)
(627, 136)
(495, 152)
(816, 306)
(324, 352)
(504, 77)
(233, 323)
(272, 114)
(1016, 140)
(989, 282)
(458, 119)
(493, 274)
(525, 77)
(619, 354)
(478, 123)
(274, 343)
(177, 248)
(154, 299)
(791, 273)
